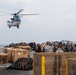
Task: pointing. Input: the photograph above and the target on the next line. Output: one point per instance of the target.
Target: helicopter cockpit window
(16, 18)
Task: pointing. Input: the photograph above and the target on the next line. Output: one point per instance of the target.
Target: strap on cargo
(67, 67)
(43, 65)
(22, 65)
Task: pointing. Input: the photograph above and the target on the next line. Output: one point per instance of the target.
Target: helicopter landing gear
(9, 26)
(18, 26)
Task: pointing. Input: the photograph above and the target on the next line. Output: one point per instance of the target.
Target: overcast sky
(56, 21)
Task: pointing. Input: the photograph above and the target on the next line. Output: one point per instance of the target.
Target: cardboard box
(19, 53)
(8, 51)
(24, 47)
(3, 58)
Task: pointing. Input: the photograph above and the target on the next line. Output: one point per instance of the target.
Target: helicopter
(15, 21)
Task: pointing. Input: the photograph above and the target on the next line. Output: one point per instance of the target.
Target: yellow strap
(42, 65)
(66, 66)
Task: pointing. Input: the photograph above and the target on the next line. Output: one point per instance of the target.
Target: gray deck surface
(15, 72)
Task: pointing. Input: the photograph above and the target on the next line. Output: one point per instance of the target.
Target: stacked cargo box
(8, 51)
(55, 63)
(24, 47)
(3, 58)
(14, 53)
(19, 53)
(72, 66)
(51, 63)
(63, 57)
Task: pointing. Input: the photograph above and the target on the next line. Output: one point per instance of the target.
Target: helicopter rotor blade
(27, 14)
(19, 11)
(4, 12)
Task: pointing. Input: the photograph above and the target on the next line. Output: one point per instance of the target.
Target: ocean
(1, 48)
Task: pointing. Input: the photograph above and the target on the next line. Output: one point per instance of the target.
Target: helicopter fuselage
(13, 24)
(15, 21)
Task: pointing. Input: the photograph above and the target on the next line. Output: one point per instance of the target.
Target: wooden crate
(72, 66)
(63, 57)
(51, 63)
(55, 63)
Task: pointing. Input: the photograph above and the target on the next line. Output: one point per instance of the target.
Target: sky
(56, 21)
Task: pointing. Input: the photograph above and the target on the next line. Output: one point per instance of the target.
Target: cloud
(70, 16)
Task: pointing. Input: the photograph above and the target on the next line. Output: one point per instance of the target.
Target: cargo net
(21, 64)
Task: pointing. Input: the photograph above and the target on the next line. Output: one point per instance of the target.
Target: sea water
(1, 48)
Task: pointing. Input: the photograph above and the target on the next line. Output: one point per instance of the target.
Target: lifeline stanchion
(43, 65)
(66, 66)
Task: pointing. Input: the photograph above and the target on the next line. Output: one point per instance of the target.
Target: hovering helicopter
(15, 21)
